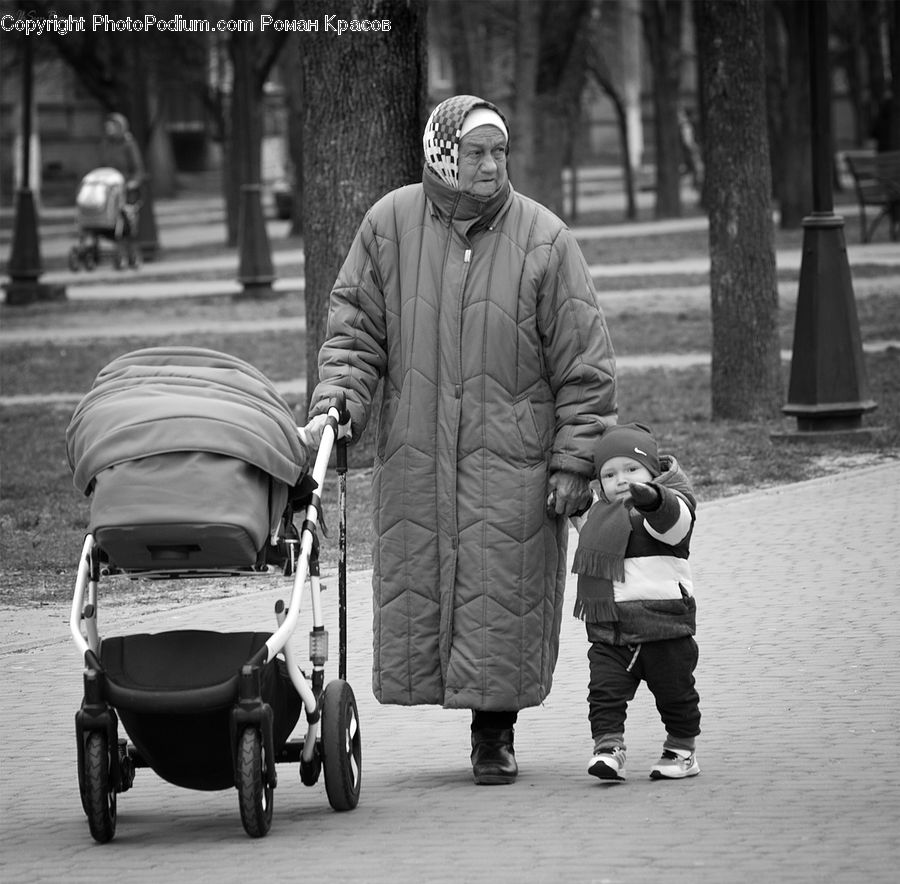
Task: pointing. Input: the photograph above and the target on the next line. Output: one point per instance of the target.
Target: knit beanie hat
(633, 440)
(446, 127)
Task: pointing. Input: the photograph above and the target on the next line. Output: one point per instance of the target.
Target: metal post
(828, 389)
(820, 109)
(256, 272)
(27, 99)
(24, 265)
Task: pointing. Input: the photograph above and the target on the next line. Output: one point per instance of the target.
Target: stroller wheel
(74, 259)
(254, 793)
(99, 798)
(341, 746)
(89, 259)
(134, 256)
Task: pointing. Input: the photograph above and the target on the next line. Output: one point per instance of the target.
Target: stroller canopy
(164, 400)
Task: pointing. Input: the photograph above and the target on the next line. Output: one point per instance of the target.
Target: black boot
(493, 757)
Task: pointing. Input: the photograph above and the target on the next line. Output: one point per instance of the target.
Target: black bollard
(147, 234)
(25, 254)
(828, 391)
(256, 272)
(24, 265)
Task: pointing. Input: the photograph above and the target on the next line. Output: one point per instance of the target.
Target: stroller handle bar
(336, 415)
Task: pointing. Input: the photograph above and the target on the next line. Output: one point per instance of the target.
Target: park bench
(876, 177)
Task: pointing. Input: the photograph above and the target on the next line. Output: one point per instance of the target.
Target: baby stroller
(195, 468)
(105, 209)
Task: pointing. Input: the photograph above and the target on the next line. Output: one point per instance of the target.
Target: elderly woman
(120, 151)
(475, 307)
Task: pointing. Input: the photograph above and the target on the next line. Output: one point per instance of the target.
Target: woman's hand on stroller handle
(311, 434)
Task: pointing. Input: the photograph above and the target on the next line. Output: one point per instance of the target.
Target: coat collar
(451, 205)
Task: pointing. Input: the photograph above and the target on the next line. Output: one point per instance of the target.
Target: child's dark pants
(667, 667)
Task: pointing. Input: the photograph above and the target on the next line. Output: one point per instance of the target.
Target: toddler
(635, 595)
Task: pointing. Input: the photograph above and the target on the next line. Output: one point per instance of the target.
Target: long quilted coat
(482, 320)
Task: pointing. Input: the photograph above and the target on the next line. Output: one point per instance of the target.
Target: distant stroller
(106, 209)
(195, 469)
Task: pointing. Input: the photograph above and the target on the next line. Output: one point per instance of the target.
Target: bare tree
(253, 55)
(527, 55)
(865, 35)
(364, 104)
(663, 31)
(604, 39)
(290, 71)
(746, 375)
(528, 58)
(467, 28)
(559, 81)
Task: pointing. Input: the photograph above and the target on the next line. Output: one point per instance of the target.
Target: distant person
(120, 151)
(635, 594)
(475, 307)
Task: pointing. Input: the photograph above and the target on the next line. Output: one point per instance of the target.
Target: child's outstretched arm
(666, 513)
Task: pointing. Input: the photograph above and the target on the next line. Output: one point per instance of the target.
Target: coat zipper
(457, 391)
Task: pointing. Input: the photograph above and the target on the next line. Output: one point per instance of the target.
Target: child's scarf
(599, 560)
(602, 543)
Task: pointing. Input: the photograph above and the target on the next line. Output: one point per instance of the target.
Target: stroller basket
(193, 464)
(175, 691)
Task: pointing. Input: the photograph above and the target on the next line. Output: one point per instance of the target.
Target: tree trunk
(775, 77)
(362, 135)
(868, 18)
(663, 29)
(622, 127)
(464, 24)
(523, 163)
(252, 56)
(295, 104)
(134, 90)
(850, 48)
(630, 29)
(528, 57)
(622, 28)
(560, 81)
(746, 376)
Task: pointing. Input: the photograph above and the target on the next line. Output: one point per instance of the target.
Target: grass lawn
(43, 519)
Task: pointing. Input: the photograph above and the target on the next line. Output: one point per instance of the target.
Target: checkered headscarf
(443, 132)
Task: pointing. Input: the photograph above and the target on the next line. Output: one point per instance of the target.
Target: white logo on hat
(638, 451)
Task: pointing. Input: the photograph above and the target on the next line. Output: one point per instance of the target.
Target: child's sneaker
(675, 764)
(608, 764)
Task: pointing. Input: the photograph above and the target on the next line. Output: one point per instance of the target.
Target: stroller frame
(107, 763)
